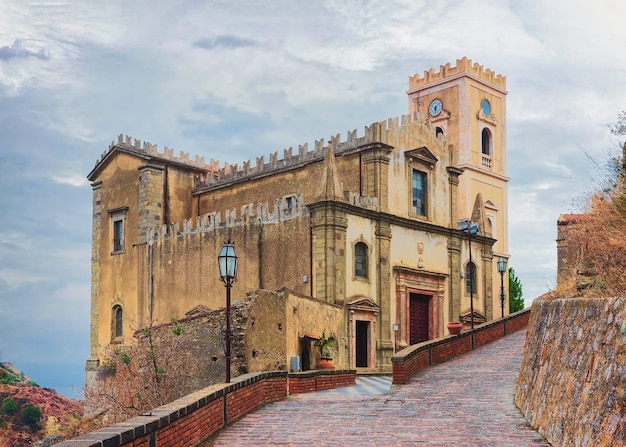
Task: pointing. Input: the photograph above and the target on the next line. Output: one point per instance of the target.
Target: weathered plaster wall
(267, 327)
(572, 383)
(186, 272)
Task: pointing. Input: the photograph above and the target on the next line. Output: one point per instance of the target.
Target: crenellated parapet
(140, 147)
(464, 65)
(378, 132)
(286, 208)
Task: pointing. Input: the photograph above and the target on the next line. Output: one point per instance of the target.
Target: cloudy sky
(233, 80)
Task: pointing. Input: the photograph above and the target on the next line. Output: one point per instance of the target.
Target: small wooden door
(418, 317)
(362, 343)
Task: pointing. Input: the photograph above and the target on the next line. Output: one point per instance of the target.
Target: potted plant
(454, 327)
(325, 345)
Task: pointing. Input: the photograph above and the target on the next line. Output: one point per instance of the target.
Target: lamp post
(472, 230)
(227, 261)
(502, 269)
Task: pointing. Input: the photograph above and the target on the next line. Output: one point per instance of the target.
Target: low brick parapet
(419, 356)
(192, 419)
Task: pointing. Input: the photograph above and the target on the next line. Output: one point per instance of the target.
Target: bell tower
(466, 104)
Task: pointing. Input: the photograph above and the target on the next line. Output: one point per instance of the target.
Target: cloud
(74, 179)
(270, 75)
(18, 50)
(230, 42)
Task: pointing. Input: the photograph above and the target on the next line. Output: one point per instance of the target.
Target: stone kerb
(419, 356)
(571, 386)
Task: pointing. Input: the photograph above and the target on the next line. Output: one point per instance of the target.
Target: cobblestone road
(467, 401)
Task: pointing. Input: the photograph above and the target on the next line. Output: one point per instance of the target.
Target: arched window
(118, 320)
(360, 260)
(439, 132)
(470, 278)
(486, 142)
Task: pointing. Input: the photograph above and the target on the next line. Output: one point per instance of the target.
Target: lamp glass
(501, 265)
(227, 261)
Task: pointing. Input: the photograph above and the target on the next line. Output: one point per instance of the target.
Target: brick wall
(413, 358)
(571, 385)
(194, 418)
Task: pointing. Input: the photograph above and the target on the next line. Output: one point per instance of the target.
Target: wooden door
(418, 318)
(362, 343)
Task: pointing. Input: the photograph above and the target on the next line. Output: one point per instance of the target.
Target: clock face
(486, 107)
(435, 107)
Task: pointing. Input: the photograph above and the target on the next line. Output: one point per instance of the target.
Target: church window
(439, 132)
(360, 260)
(486, 142)
(118, 235)
(118, 320)
(484, 104)
(470, 278)
(419, 191)
(118, 219)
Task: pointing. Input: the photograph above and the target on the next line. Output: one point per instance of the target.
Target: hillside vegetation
(599, 232)
(29, 413)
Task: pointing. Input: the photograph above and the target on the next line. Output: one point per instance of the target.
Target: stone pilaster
(151, 198)
(454, 246)
(487, 259)
(328, 226)
(96, 240)
(383, 243)
(456, 282)
(375, 176)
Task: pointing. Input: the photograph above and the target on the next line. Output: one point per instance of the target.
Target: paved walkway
(369, 384)
(467, 401)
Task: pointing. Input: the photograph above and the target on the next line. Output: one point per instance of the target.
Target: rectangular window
(118, 218)
(419, 192)
(118, 235)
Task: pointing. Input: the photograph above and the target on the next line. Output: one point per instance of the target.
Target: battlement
(286, 208)
(464, 65)
(146, 148)
(378, 132)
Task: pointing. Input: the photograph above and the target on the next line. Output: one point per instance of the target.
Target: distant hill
(29, 413)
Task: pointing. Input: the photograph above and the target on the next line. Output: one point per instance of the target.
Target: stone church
(366, 223)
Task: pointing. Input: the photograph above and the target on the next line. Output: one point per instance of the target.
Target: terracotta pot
(325, 363)
(455, 327)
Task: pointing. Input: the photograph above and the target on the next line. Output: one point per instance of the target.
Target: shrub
(31, 414)
(9, 406)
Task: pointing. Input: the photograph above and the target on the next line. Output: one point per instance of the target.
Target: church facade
(367, 223)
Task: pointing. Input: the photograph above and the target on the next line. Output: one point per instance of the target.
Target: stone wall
(267, 330)
(572, 383)
(413, 358)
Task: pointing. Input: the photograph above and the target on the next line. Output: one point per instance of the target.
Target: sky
(235, 80)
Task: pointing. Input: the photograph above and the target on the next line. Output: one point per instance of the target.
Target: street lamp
(502, 269)
(227, 261)
(472, 230)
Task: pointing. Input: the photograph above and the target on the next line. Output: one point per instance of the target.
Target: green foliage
(326, 345)
(9, 406)
(125, 357)
(178, 329)
(516, 301)
(31, 414)
(9, 378)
